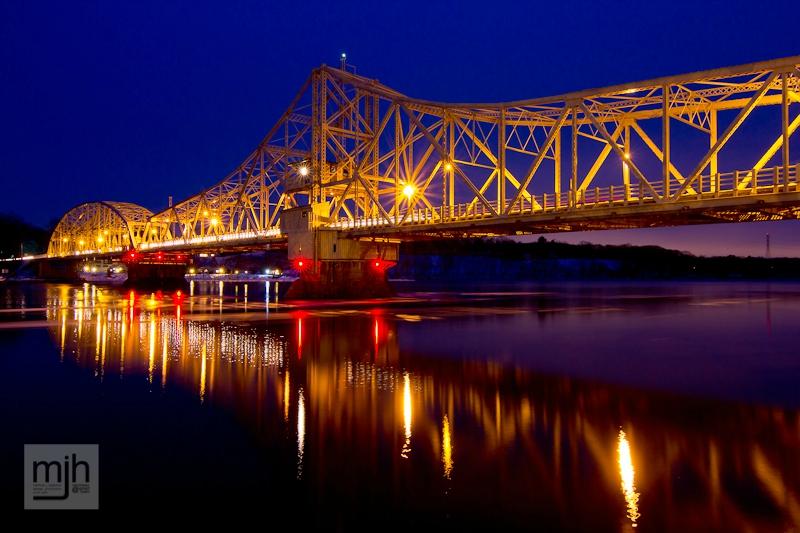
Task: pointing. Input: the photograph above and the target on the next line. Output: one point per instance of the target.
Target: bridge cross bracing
(704, 147)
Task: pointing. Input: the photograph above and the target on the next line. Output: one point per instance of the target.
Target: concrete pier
(331, 265)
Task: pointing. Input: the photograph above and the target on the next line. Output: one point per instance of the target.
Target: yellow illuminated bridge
(698, 148)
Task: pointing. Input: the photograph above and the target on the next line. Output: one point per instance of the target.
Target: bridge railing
(213, 239)
(762, 181)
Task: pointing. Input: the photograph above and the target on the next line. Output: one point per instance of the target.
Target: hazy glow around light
(301, 431)
(447, 448)
(152, 351)
(286, 396)
(627, 474)
(304, 171)
(406, 415)
(164, 362)
(203, 373)
(409, 191)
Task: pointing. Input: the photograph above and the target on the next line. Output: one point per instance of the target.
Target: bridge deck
(727, 197)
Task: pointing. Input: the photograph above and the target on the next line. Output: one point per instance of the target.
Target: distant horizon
(742, 239)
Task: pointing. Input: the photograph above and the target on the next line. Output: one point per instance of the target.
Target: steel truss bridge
(704, 147)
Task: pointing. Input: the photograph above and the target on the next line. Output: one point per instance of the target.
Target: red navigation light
(130, 256)
(380, 265)
(159, 256)
(301, 263)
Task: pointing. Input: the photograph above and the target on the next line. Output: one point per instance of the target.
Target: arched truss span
(99, 227)
(371, 157)
(372, 161)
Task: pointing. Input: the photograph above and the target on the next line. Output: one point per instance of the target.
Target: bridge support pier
(331, 264)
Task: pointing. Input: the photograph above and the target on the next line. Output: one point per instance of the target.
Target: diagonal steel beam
(489, 155)
(367, 188)
(658, 153)
(614, 146)
(443, 154)
(601, 157)
(554, 130)
(771, 151)
(729, 131)
(368, 149)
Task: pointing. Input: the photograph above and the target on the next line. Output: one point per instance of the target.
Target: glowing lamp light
(100, 239)
(214, 221)
(205, 213)
(627, 155)
(301, 263)
(448, 166)
(409, 191)
(380, 265)
(303, 171)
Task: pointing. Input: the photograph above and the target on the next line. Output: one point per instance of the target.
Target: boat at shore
(103, 273)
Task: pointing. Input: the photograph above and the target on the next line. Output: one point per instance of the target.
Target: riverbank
(507, 260)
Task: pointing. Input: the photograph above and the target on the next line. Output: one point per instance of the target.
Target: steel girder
(381, 161)
(99, 228)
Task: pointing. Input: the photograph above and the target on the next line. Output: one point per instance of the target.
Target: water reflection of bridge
(490, 436)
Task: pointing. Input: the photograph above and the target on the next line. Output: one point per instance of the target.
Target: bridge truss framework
(376, 163)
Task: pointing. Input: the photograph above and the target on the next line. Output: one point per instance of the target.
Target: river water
(589, 406)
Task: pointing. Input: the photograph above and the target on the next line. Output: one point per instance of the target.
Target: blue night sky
(136, 101)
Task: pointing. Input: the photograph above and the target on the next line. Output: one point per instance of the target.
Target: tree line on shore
(507, 259)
